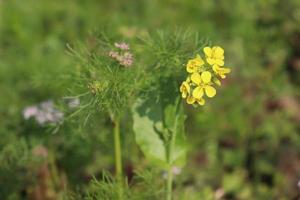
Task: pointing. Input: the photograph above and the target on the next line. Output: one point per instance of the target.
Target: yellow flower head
(203, 76)
(185, 89)
(221, 71)
(192, 100)
(203, 84)
(194, 64)
(214, 56)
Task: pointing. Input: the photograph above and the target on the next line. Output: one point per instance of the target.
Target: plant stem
(170, 150)
(170, 171)
(118, 156)
(117, 143)
(169, 184)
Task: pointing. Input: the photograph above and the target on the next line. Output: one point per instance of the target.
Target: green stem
(118, 156)
(117, 143)
(170, 150)
(169, 184)
(170, 160)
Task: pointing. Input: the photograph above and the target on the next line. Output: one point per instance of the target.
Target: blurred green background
(244, 144)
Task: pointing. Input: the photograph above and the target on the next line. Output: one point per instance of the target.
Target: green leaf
(148, 118)
(147, 125)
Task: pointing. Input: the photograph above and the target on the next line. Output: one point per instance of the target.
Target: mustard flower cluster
(203, 75)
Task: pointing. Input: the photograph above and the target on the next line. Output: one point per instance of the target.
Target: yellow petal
(219, 62)
(222, 71)
(190, 67)
(181, 87)
(210, 61)
(201, 102)
(216, 68)
(225, 70)
(219, 51)
(210, 91)
(198, 92)
(199, 60)
(206, 77)
(184, 89)
(187, 86)
(190, 100)
(207, 51)
(188, 79)
(196, 78)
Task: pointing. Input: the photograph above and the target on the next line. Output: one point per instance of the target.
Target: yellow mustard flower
(192, 100)
(194, 64)
(204, 75)
(221, 71)
(214, 55)
(185, 89)
(203, 83)
(201, 101)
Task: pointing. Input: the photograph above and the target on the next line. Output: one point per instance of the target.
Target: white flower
(30, 111)
(43, 113)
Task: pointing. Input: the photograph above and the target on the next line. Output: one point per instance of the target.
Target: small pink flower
(126, 60)
(113, 54)
(30, 111)
(43, 113)
(122, 46)
(123, 56)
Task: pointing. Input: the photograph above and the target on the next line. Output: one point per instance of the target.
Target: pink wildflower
(113, 54)
(126, 59)
(123, 56)
(44, 113)
(122, 46)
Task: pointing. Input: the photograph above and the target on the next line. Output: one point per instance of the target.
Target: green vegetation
(243, 144)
